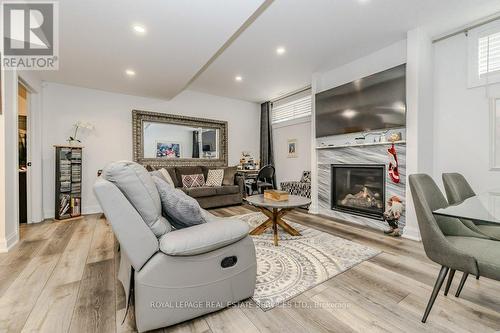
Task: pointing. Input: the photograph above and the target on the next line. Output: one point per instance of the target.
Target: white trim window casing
(484, 55)
(298, 108)
(495, 134)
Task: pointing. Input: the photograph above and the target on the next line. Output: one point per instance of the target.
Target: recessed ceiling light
(280, 50)
(139, 29)
(238, 78)
(364, 1)
(130, 72)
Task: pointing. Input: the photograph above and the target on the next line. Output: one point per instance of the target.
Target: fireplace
(359, 189)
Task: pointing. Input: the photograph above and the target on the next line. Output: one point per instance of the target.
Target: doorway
(23, 164)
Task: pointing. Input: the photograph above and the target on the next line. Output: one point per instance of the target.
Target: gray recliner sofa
(183, 273)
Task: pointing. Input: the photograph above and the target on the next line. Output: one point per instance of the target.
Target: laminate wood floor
(62, 277)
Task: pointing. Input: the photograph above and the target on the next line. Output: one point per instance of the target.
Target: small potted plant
(73, 140)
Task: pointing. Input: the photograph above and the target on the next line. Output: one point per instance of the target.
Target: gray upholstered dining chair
(457, 190)
(447, 243)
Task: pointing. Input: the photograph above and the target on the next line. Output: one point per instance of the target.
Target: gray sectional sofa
(176, 274)
(230, 193)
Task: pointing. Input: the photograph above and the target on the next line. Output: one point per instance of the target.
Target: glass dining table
(484, 208)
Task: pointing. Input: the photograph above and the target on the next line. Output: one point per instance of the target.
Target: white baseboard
(9, 242)
(95, 209)
(313, 209)
(49, 214)
(412, 234)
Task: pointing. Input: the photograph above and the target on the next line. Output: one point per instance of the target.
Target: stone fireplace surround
(370, 154)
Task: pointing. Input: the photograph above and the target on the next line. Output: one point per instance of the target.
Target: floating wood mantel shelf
(361, 144)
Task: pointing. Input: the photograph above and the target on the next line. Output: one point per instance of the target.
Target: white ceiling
(319, 34)
(97, 43)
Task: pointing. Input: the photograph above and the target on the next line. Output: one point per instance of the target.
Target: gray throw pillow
(181, 210)
(229, 174)
(138, 187)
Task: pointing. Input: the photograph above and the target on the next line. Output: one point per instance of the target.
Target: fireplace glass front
(359, 189)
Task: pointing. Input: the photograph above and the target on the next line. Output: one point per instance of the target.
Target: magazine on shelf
(75, 207)
(64, 205)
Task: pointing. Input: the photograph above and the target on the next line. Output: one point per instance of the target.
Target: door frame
(33, 154)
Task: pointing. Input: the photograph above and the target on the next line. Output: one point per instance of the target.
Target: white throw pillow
(166, 175)
(215, 177)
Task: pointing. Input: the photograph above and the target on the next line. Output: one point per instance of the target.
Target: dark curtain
(196, 144)
(266, 137)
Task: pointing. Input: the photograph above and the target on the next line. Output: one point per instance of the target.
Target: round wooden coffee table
(275, 210)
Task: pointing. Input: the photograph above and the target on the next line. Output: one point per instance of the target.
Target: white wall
(3, 216)
(111, 140)
(419, 117)
(9, 200)
(34, 85)
(290, 169)
(414, 52)
(461, 118)
(8, 171)
(448, 123)
(386, 58)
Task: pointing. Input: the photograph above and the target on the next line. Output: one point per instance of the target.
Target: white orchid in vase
(80, 125)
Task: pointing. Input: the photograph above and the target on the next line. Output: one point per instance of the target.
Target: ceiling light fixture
(130, 72)
(238, 78)
(139, 29)
(280, 50)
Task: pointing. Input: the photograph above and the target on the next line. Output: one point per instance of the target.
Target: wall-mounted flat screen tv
(376, 102)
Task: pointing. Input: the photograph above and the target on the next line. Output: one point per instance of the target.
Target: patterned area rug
(299, 263)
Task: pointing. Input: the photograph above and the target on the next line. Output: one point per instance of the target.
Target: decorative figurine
(393, 164)
(392, 214)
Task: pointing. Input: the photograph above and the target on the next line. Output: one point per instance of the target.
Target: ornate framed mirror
(164, 140)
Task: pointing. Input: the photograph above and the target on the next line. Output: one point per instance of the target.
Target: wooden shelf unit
(68, 190)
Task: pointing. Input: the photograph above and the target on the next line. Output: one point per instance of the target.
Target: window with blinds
(290, 109)
(483, 55)
(489, 54)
